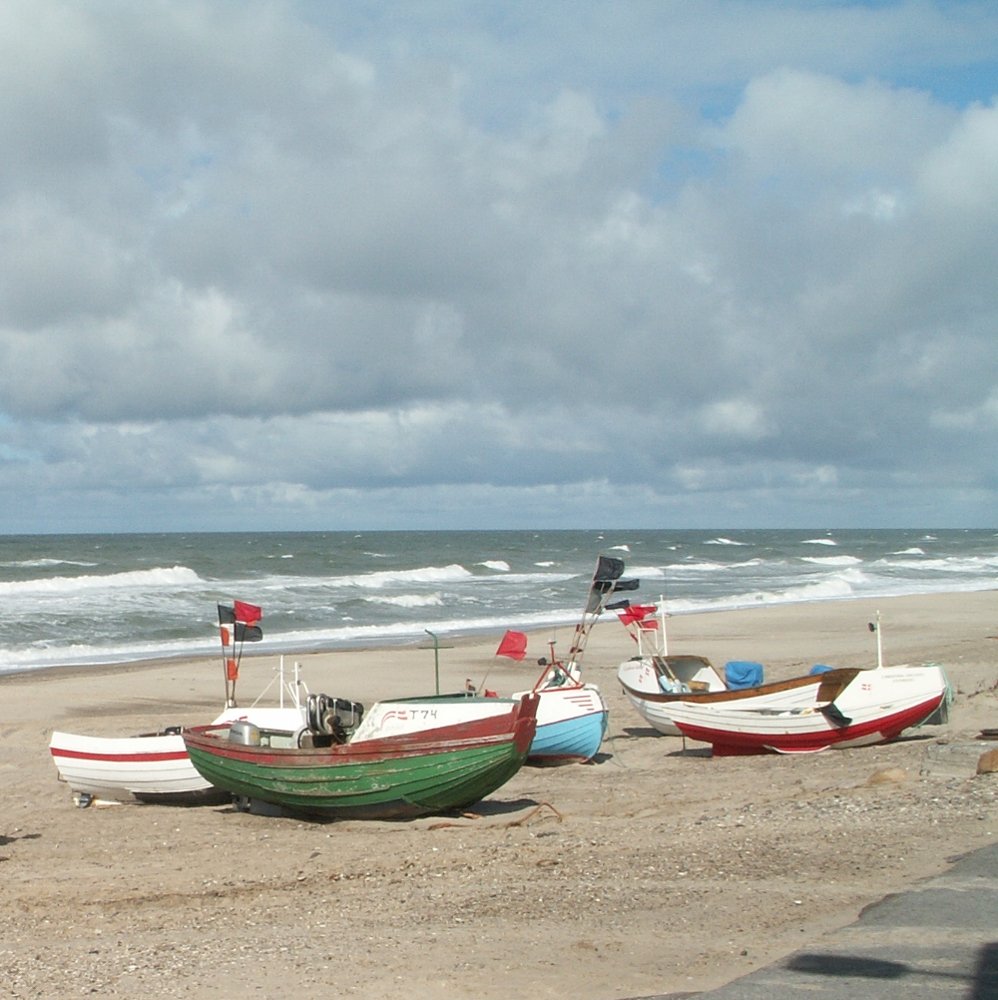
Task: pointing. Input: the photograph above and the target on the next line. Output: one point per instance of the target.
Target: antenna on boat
(875, 627)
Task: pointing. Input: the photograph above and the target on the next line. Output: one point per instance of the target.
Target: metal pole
(436, 658)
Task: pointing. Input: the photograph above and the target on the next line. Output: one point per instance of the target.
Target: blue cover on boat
(820, 668)
(742, 674)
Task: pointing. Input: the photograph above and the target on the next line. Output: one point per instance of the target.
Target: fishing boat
(410, 774)
(656, 683)
(654, 678)
(154, 767)
(689, 680)
(849, 709)
(571, 724)
(572, 715)
(150, 767)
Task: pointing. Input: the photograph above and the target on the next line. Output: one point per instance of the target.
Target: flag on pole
(513, 645)
(248, 633)
(637, 613)
(248, 614)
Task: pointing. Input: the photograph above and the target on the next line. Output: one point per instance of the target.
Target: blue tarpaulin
(742, 673)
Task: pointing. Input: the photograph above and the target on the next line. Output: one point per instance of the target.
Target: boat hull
(412, 774)
(877, 707)
(655, 706)
(571, 724)
(153, 767)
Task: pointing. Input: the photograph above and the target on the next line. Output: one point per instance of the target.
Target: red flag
(248, 614)
(637, 612)
(513, 645)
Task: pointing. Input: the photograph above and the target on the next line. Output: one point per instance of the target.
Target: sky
(359, 264)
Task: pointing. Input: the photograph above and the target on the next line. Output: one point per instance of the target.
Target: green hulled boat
(412, 774)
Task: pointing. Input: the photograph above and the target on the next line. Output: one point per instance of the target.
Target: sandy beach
(655, 869)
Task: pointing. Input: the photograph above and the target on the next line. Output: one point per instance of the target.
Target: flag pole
(436, 658)
(661, 616)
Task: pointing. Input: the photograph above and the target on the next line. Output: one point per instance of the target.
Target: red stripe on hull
(121, 758)
(726, 743)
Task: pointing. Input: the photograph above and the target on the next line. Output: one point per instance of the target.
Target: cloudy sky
(523, 264)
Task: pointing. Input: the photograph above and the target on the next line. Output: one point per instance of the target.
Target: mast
(606, 581)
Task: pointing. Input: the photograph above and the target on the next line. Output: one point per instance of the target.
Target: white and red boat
(655, 684)
(870, 706)
(154, 767)
(149, 767)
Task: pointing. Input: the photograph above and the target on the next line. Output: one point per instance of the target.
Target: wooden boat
(572, 716)
(849, 709)
(154, 767)
(409, 774)
(571, 724)
(656, 683)
(694, 680)
(149, 767)
(655, 678)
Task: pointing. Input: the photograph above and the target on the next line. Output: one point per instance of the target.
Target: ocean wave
(723, 541)
(645, 572)
(389, 577)
(408, 600)
(832, 560)
(142, 579)
(955, 564)
(819, 541)
(709, 566)
(496, 564)
(43, 563)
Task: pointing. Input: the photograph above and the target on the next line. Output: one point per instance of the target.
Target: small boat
(654, 679)
(849, 709)
(656, 683)
(154, 767)
(149, 767)
(572, 716)
(410, 774)
(693, 680)
(571, 724)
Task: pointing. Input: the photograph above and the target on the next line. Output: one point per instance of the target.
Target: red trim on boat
(120, 758)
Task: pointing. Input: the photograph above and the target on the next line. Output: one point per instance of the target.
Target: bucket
(244, 733)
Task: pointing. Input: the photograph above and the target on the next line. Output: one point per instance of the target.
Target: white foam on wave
(713, 567)
(832, 560)
(915, 551)
(955, 564)
(43, 563)
(408, 600)
(819, 541)
(723, 541)
(497, 564)
(425, 574)
(174, 576)
(645, 572)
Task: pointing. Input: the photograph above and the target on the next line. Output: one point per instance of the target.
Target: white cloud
(339, 257)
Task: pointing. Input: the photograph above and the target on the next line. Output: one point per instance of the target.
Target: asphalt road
(937, 941)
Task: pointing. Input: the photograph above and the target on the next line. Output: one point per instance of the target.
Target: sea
(81, 600)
